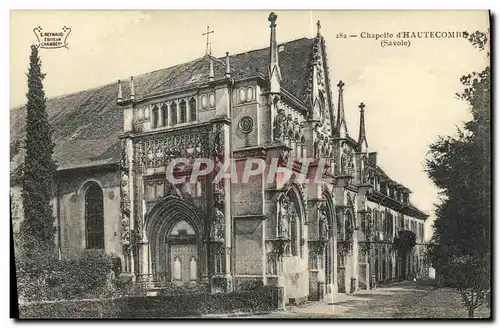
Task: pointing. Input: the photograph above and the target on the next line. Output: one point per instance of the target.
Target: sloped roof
(87, 123)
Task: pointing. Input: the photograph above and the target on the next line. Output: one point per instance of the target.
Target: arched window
(193, 274)
(154, 117)
(173, 113)
(164, 114)
(192, 108)
(219, 257)
(177, 269)
(183, 118)
(94, 217)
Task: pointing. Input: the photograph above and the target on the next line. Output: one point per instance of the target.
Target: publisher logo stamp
(52, 39)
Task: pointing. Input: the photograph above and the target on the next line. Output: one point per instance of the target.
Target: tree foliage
(460, 167)
(405, 241)
(37, 229)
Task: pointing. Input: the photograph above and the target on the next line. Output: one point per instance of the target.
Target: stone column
(228, 224)
(169, 115)
(354, 264)
(144, 256)
(127, 204)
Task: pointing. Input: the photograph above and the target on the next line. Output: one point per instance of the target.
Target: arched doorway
(290, 222)
(174, 231)
(328, 231)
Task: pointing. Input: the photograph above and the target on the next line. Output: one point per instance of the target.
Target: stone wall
(70, 208)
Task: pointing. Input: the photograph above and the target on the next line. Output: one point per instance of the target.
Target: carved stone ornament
(219, 194)
(217, 229)
(217, 142)
(125, 196)
(246, 124)
(155, 151)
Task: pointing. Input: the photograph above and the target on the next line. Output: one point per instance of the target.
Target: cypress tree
(37, 229)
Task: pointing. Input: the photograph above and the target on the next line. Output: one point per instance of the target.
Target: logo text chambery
(52, 39)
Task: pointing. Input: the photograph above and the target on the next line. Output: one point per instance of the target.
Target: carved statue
(284, 217)
(350, 166)
(172, 190)
(279, 121)
(349, 199)
(365, 161)
(343, 164)
(323, 223)
(318, 148)
(367, 177)
(348, 222)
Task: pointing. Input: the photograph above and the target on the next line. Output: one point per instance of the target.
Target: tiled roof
(87, 123)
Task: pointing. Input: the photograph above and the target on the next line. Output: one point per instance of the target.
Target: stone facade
(331, 235)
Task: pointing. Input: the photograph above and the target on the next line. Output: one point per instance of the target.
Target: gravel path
(402, 300)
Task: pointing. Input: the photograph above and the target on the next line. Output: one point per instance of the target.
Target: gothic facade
(335, 234)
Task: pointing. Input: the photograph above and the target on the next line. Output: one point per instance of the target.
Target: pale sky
(409, 92)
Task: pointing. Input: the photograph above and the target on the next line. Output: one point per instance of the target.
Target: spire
(132, 89)
(211, 74)
(362, 143)
(318, 25)
(274, 68)
(120, 93)
(228, 68)
(341, 124)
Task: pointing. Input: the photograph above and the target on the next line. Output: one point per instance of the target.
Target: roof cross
(362, 106)
(208, 40)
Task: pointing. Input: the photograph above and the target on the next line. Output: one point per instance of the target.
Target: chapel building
(114, 143)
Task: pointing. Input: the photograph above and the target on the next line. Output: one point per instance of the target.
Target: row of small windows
(169, 114)
(173, 113)
(208, 101)
(246, 94)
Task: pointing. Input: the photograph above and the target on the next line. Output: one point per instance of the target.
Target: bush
(84, 275)
(249, 284)
(263, 299)
(175, 289)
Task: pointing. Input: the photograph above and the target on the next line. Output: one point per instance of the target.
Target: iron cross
(208, 40)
